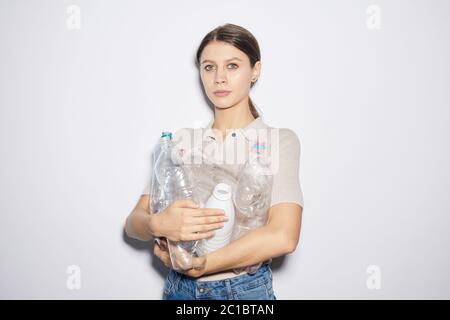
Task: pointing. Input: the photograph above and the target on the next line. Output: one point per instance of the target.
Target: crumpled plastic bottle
(253, 196)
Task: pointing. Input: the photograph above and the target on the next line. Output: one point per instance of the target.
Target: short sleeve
(286, 180)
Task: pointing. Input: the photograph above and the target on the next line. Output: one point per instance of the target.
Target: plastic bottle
(159, 199)
(254, 185)
(221, 198)
(253, 196)
(171, 182)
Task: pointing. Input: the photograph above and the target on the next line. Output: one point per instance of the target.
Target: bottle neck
(165, 141)
(259, 155)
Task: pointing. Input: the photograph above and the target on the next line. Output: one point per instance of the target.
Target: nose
(220, 77)
(220, 81)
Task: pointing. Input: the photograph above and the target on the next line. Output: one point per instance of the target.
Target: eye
(210, 67)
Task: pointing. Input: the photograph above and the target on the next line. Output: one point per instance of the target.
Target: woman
(229, 62)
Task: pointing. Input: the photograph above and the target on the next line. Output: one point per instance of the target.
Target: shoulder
(289, 135)
(287, 138)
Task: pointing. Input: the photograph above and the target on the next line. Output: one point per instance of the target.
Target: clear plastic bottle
(253, 195)
(159, 199)
(254, 185)
(171, 182)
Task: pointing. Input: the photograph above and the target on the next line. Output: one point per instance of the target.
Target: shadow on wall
(155, 262)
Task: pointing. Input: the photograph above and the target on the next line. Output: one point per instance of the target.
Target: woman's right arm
(140, 224)
(181, 221)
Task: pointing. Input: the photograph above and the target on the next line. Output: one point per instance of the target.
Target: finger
(207, 220)
(185, 203)
(199, 236)
(205, 227)
(211, 220)
(164, 244)
(204, 212)
(163, 256)
(159, 252)
(198, 262)
(166, 260)
(156, 250)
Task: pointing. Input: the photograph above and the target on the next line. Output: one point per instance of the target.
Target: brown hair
(240, 38)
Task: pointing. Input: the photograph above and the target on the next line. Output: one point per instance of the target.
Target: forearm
(257, 246)
(141, 225)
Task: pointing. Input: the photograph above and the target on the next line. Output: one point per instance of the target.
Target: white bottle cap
(222, 191)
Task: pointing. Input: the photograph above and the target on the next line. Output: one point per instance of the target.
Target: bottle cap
(222, 191)
(166, 134)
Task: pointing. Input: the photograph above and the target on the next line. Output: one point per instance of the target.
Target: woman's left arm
(278, 237)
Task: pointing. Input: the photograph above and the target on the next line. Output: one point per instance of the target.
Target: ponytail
(253, 108)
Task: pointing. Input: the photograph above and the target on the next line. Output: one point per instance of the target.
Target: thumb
(186, 203)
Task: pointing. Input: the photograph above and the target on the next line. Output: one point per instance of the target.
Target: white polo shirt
(227, 159)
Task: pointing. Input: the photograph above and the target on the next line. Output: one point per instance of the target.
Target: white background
(81, 110)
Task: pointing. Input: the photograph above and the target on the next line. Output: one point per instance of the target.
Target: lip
(221, 93)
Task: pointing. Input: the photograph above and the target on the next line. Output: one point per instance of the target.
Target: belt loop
(229, 291)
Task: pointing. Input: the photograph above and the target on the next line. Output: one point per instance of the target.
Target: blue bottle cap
(166, 134)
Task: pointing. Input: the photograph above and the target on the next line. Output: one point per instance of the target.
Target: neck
(234, 117)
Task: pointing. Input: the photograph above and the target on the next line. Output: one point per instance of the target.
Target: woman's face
(224, 67)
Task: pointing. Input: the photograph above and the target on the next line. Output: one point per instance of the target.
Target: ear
(256, 70)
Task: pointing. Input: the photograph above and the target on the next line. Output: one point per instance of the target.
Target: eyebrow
(234, 58)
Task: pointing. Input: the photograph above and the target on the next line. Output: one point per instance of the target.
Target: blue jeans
(256, 286)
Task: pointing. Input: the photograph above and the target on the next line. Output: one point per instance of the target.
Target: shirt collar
(246, 131)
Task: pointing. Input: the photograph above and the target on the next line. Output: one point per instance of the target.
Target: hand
(184, 221)
(162, 252)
